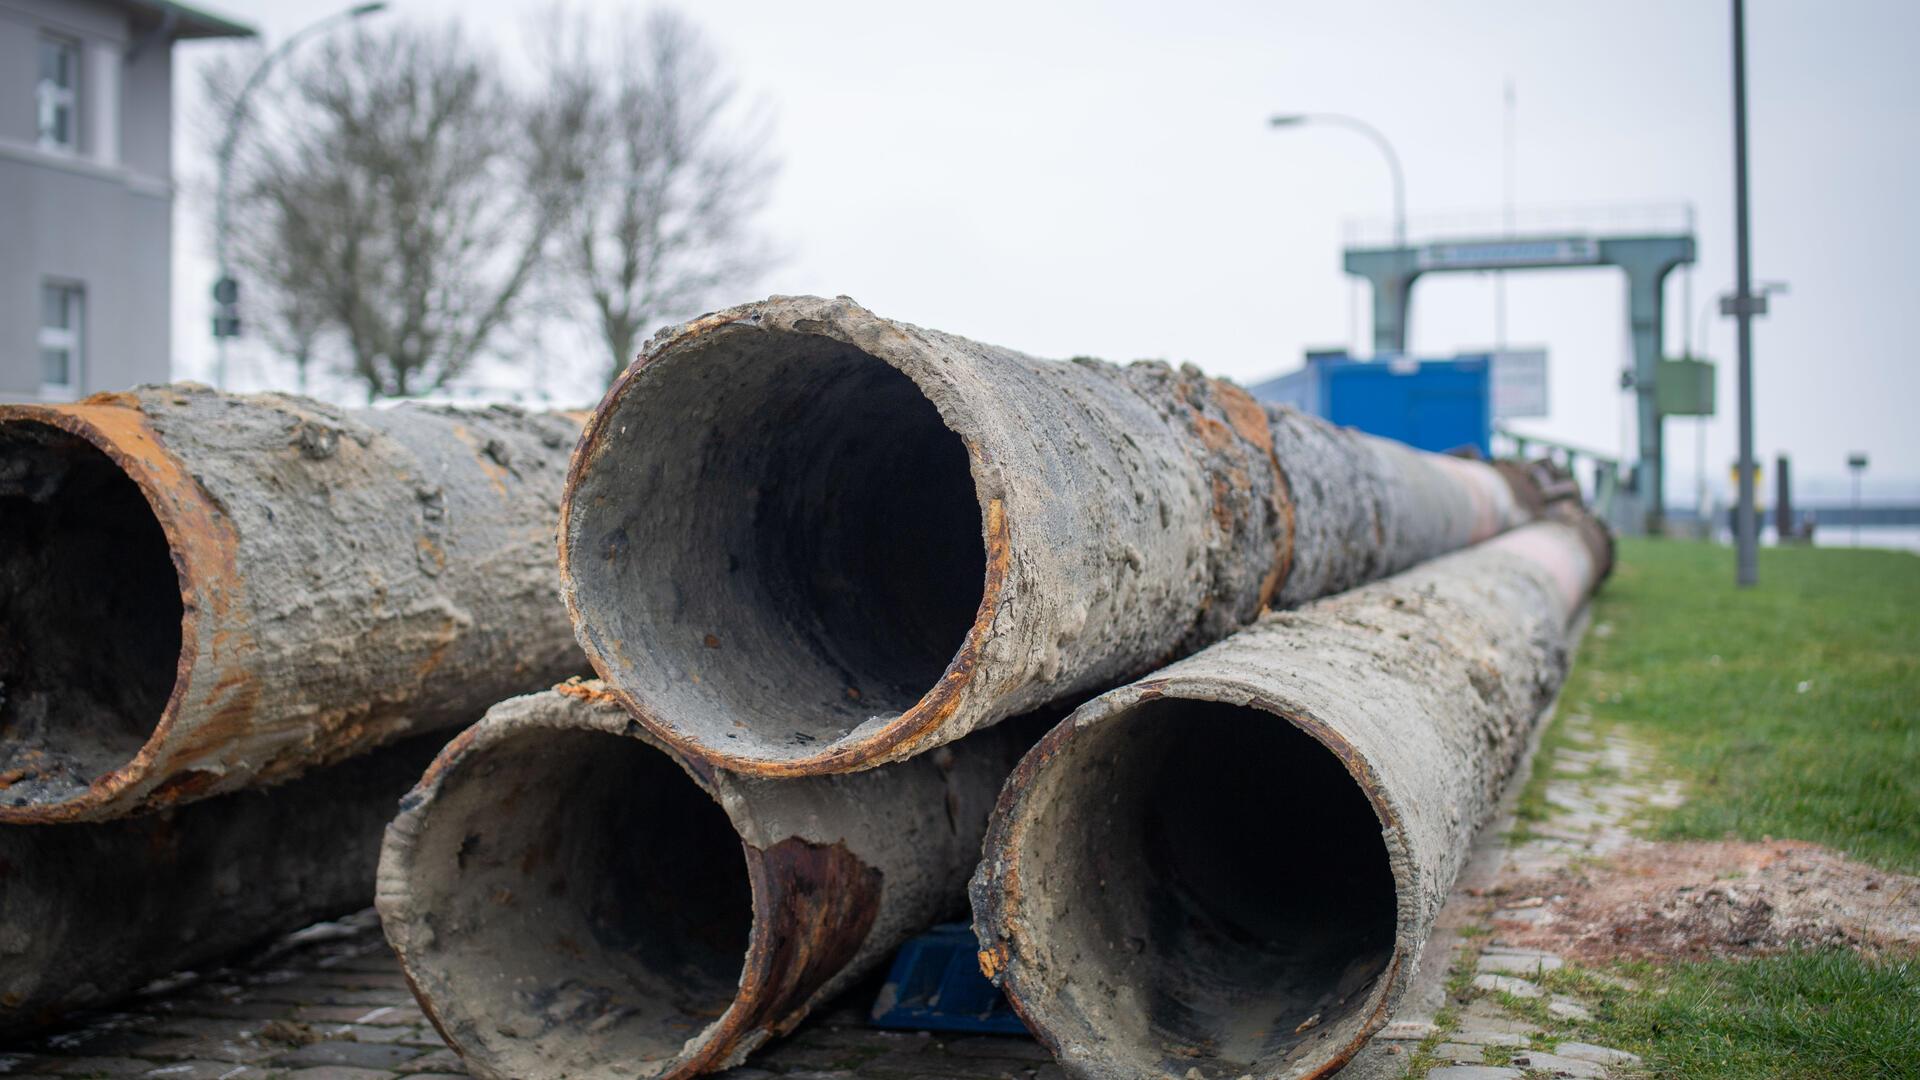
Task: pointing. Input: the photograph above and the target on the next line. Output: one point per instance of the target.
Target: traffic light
(226, 317)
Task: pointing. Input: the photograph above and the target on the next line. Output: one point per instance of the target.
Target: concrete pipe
(799, 538)
(90, 913)
(571, 899)
(201, 592)
(1227, 869)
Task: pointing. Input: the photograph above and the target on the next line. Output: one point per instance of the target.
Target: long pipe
(799, 538)
(1227, 869)
(200, 592)
(90, 913)
(571, 899)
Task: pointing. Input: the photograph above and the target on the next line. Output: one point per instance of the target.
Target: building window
(59, 75)
(62, 315)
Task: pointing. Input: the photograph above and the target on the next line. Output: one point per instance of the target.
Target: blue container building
(1439, 404)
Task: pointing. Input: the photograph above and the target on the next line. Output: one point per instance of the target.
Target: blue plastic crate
(936, 985)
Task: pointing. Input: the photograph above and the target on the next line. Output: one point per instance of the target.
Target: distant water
(1902, 537)
(1897, 537)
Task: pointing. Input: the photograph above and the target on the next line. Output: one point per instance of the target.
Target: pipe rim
(997, 891)
(916, 727)
(200, 542)
(766, 1001)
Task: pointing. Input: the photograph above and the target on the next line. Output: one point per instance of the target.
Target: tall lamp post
(1352, 123)
(226, 291)
(1743, 305)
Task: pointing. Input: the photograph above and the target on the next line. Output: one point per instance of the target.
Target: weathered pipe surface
(1230, 866)
(799, 538)
(201, 592)
(89, 913)
(572, 899)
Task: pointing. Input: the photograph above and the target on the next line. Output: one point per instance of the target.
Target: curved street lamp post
(226, 291)
(1372, 133)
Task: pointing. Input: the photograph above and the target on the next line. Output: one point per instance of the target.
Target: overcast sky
(1099, 179)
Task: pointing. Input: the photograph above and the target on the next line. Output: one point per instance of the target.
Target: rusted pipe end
(182, 570)
(570, 901)
(1183, 877)
(1527, 482)
(1594, 533)
(775, 524)
(109, 552)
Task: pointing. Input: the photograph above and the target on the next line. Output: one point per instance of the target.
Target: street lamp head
(367, 9)
(1287, 120)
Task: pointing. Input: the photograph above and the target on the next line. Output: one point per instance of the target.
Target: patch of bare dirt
(1725, 898)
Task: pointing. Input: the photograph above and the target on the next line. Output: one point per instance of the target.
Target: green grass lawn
(1826, 1015)
(1790, 710)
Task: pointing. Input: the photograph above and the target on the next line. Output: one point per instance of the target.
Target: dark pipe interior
(589, 904)
(1214, 879)
(93, 912)
(90, 615)
(781, 541)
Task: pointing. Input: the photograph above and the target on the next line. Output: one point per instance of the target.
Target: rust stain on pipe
(337, 580)
(1250, 420)
(814, 905)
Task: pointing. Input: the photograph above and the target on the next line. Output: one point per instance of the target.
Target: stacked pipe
(204, 595)
(573, 898)
(1231, 865)
(815, 556)
(799, 538)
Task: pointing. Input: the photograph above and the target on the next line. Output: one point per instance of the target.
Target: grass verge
(1830, 1014)
(1791, 709)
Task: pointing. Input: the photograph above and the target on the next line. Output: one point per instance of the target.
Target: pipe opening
(1215, 883)
(588, 905)
(90, 615)
(779, 538)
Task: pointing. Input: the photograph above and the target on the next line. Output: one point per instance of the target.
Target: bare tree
(397, 201)
(672, 172)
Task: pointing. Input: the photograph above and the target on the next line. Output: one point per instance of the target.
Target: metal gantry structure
(1647, 260)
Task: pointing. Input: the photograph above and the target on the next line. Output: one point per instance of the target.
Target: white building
(86, 191)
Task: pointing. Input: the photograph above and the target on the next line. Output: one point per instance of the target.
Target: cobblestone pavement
(329, 1003)
(1503, 1025)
